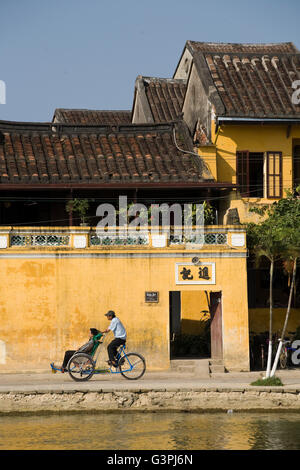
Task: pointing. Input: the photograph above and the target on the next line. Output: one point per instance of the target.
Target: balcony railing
(114, 238)
(39, 240)
(207, 239)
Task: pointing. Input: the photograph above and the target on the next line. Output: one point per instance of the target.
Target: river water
(151, 431)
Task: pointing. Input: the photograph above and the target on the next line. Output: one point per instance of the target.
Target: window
(252, 178)
(250, 171)
(296, 166)
(274, 175)
(242, 172)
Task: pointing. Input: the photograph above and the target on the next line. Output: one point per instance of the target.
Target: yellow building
(223, 130)
(242, 108)
(58, 280)
(56, 283)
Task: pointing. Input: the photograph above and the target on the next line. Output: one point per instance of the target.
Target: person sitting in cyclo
(88, 348)
(119, 332)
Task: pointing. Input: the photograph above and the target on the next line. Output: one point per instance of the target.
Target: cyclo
(82, 366)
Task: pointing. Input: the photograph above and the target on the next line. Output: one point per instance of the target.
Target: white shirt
(117, 328)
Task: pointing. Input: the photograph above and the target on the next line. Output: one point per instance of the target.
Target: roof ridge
(168, 79)
(92, 110)
(9, 126)
(219, 45)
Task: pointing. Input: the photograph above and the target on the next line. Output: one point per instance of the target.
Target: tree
(264, 240)
(278, 237)
(288, 210)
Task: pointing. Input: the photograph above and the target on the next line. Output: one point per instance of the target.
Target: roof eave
(245, 119)
(117, 185)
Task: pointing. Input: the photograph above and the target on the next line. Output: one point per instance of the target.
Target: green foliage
(278, 234)
(270, 381)
(79, 206)
(209, 213)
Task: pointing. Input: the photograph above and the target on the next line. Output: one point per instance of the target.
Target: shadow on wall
(226, 171)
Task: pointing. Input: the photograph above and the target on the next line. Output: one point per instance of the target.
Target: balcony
(86, 238)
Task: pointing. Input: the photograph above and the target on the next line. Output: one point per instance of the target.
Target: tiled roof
(253, 80)
(90, 116)
(165, 97)
(260, 48)
(54, 154)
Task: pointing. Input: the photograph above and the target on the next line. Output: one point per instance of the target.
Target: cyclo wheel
(283, 360)
(132, 366)
(81, 367)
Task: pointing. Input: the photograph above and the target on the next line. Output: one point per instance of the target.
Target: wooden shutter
(274, 175)
(242, 172)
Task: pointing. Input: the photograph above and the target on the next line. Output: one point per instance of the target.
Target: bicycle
(286, 351)
(82, 366)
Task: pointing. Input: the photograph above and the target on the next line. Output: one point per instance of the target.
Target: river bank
(198, 400)
(36, 393)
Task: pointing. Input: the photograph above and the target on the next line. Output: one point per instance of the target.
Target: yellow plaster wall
(194, 312)
(48, 304)
(209, 155)
(255, 138)
(231, 138)
(243, 205)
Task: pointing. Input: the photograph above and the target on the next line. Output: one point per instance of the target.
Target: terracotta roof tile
(54, 153)
(91, 116)
(253, 80)
(165, 97)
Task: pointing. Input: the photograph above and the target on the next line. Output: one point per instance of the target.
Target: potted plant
(79, 206)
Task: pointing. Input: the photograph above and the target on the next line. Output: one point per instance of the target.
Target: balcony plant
(79, 206)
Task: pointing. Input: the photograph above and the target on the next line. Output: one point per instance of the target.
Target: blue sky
(87, 54)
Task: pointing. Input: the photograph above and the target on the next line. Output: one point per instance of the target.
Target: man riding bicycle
(119, 332)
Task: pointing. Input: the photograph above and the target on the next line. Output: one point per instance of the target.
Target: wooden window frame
(240, 170)
(243, 173)
(274, 175)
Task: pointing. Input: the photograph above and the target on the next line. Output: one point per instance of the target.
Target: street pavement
(44, 382)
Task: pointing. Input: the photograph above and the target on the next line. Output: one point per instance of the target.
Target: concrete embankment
(196, 400)
(37, 393)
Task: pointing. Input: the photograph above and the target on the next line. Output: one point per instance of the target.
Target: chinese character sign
(189, 273)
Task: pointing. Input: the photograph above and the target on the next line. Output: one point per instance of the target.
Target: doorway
(195, 321)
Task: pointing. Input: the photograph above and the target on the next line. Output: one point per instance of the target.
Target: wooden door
(175, 313)
(216, 330)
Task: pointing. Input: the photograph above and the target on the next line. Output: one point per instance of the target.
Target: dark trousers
(113, 346)
(68, 355)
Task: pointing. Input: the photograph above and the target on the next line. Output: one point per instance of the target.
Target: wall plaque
(151, 297)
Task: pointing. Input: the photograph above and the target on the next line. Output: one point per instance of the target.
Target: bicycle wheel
(132, 366)
(283, 360)
(81, 367)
